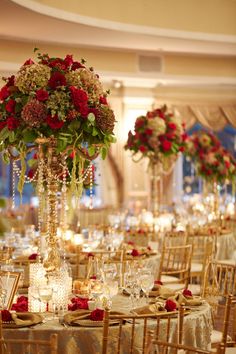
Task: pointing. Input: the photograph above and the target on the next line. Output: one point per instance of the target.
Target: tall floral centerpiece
(57, 108)
(158, 136)
(212, 162)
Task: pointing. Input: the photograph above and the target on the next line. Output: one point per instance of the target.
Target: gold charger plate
(90, 323)
(36, 318)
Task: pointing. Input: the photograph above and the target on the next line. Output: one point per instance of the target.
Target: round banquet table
(226, 245)
(88, 340)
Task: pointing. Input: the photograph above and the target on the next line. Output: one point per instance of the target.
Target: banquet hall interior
(118, 176)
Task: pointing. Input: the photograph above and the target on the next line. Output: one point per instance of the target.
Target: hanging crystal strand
(40, 192)
(91, 187)
(14, 167)
(64, 196)
(64, 205)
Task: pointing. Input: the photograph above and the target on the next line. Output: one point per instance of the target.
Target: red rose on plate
(158, 282)
(42, 95)
(33, 256)
(97, 315)
(187, 293)
(21, 304)
(6, 316)
(170, 305)
(78, 303)
(135, 253)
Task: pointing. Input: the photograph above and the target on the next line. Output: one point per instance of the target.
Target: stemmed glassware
(45, 294)
(146, 281)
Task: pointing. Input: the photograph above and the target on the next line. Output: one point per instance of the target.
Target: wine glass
(45, 294)
(146, 281)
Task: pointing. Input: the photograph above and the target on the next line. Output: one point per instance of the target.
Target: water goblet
(45, 294)
(146, 281)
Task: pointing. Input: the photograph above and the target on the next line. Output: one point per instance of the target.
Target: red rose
(97, 315)
(187, 293)
(227, 164)
(148, 131)
(33, 256)
(84, 111)
(6, 316)
(170, 305)
(158, 282)
(57, 63)
(42, 95)
(103, 100)
(78, 303)
(30, 173)
(184, 136)
(181, 148)
(79, 97)
(3, 124)
(21, 304)
(139, 123)
(10, 106)
(28, 62)
(10, 80)
(77, 65)
(172, 126)
(68, 61)
(57, 79)
(12, 123)
(166, 145)
(90, 254)
(142, 148)
(4, 93)
(54, 122)
(135, 253)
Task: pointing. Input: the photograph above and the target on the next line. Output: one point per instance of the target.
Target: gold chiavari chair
(23, 346)
(227, 345)
(219, 282)
(133, 330)
(163, 347)
(175, 266)
(175, 238)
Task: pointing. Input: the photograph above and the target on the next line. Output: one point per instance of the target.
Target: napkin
(74, 318)
(186, 300)
(23, 319)
(150, 309)
(161, 291)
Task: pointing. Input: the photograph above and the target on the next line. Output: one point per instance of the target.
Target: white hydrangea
(158, 126)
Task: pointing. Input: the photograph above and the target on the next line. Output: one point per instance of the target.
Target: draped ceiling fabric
(211, 116)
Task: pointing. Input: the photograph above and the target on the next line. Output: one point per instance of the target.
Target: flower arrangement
(158, 134)
(55, 97)
(213, 162)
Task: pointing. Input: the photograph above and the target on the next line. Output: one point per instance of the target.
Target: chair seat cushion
(216, 337)
(166, 279)
(196, 267)
(195, 289)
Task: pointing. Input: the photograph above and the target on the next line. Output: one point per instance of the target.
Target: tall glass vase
(154, 190)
